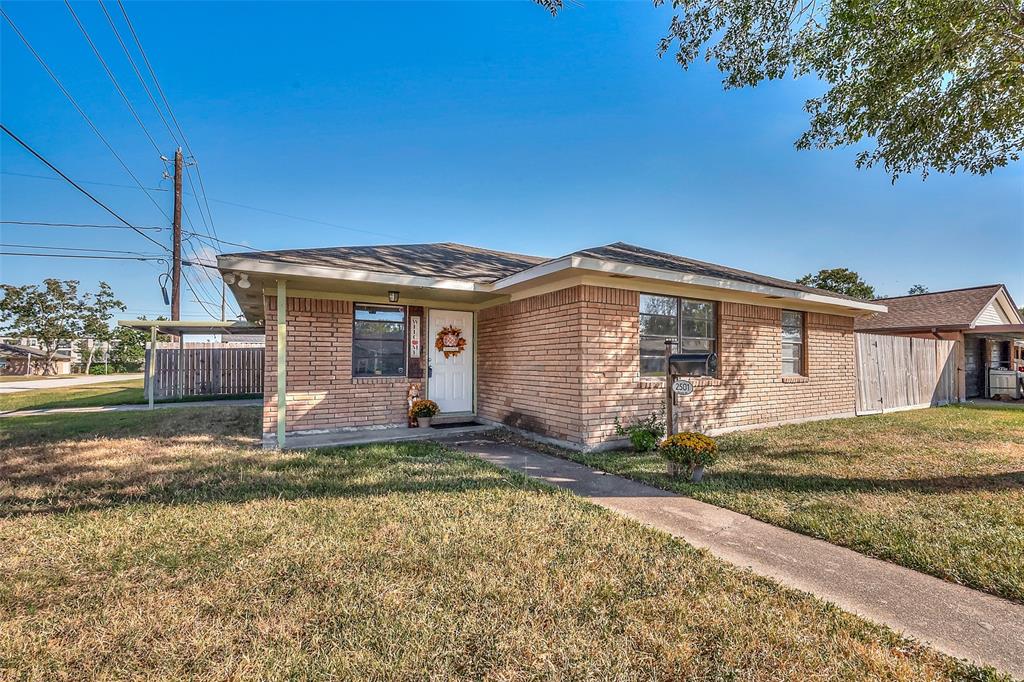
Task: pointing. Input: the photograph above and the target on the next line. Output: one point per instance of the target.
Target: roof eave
(284, 270)
(610, 267)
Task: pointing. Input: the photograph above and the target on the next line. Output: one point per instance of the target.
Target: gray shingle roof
(621, 252)
(453, 261)
(458, 261)
(956, 308)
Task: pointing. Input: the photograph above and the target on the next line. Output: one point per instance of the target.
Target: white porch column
(282, 360)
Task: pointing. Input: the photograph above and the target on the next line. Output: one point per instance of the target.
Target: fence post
(152, 365)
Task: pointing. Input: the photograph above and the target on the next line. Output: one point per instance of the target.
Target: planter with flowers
(423, 410)
(689, 451)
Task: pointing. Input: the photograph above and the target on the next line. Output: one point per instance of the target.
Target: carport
(179, 328)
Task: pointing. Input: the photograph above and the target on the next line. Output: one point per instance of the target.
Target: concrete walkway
(63, 382)
(957, 620)
(248, 402)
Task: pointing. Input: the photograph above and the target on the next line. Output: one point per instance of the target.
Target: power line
(138, 73)
(198, 235)
(84, 182)
(196, 295)
(30, 223)
(75, 248)
(76, 255)
(229, 203)
(170, 111)
(78, 108)
(75, 184)
(113, 79)
(308, 220)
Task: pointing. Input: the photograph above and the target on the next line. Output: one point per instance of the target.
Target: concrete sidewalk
(956, 620)
(248, 402)
(64, 382)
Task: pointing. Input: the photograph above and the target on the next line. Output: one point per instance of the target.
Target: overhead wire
(113, 79)
(170, 111)
(76, 185)
(79, 109)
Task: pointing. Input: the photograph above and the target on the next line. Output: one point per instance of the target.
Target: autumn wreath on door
(449, 341)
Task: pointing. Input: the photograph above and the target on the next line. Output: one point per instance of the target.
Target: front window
(690, 323)
(792, 342)
(378, 341)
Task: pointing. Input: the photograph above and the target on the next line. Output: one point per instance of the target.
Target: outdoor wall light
(393, 296)
(243, 281)
(229, 278)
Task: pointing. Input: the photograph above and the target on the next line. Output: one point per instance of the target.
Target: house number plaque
(682, 387)
(414, 336)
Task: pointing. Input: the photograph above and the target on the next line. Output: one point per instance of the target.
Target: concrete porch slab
(366, 436)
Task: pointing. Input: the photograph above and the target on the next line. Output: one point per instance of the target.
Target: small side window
(792, 342)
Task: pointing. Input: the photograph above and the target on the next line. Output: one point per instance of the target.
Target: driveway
(64, 382)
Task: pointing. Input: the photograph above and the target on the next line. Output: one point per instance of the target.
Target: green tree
(98, 310)
(917, 85)
(917, 289)
(128, 347)
(841, 281)
(52, 314)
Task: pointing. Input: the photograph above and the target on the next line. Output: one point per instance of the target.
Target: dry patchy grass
(938, 490)
(167, 546)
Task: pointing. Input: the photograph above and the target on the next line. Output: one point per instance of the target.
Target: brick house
(557, 348)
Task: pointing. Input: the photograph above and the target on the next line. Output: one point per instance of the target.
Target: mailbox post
(686, 365)
(669, 397)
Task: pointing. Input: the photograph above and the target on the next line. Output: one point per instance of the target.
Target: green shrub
(643, 434)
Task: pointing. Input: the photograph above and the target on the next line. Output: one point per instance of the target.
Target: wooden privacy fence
(207, 369)
(899, 372)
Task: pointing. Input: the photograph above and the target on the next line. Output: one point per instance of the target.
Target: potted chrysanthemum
(690, 451)
(423, 410)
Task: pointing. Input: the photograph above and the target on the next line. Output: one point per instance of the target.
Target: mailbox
(693, 364)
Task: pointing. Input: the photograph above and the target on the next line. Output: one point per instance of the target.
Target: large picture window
(792, 342)
(690, 323)
(378, 341)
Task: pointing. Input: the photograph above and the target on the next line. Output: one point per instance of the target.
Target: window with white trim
(688, 322)
(792, 343)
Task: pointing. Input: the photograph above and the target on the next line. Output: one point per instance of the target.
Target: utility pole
(176, 262)
(223, 299)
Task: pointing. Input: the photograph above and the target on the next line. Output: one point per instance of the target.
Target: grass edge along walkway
(956, 620)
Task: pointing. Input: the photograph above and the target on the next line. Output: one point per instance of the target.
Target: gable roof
(17, 350)
(446, 259)
(621, 252)
(475, 274)
(954, 309)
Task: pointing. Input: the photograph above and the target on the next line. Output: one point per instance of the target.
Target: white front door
(451, 379)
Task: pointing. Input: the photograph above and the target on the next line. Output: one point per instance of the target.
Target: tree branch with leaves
(918, 85)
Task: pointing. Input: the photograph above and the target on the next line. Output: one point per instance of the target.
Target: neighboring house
(16, 359)
(983, 320)
(77, 350)
(555, 347)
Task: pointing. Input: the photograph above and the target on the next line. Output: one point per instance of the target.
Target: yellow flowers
(424, 408)
(690, 449)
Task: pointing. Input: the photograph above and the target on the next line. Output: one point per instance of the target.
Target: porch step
(453, 418)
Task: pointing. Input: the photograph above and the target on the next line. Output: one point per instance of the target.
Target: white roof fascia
(262, 267)
(616, 268)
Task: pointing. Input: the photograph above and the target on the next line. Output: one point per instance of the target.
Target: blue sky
(492, 124)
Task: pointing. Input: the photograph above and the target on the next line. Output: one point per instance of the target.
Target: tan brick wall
(528, 364)
(564, 365)
(536, 373)
(321, 392)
